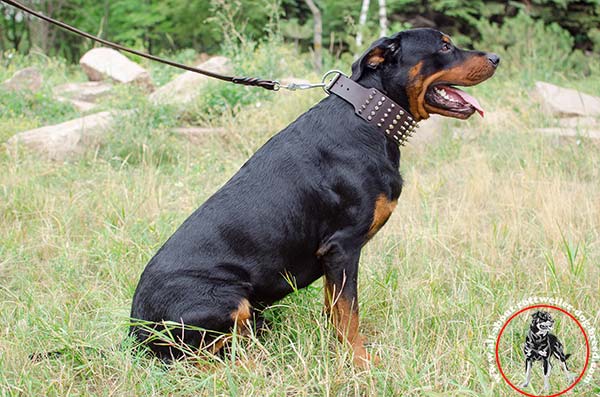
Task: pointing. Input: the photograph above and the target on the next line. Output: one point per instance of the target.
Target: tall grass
(488, 216)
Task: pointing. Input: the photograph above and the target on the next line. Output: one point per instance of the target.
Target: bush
(533, 49)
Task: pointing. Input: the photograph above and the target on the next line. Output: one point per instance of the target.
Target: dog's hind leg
(528, 365)
(547, 368)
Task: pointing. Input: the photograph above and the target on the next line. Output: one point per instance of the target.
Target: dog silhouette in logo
(540, 344)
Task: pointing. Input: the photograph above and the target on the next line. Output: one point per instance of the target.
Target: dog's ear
(380, 51)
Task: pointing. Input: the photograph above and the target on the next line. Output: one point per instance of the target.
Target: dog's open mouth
(452, 101)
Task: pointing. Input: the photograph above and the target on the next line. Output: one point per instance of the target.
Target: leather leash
(369, 103)
(250, 81)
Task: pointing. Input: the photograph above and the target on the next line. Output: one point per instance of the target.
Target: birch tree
(362, 20)
(318, 34)
(383, 22)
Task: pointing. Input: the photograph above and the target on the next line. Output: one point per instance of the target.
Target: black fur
(541, 345)
(312, 187)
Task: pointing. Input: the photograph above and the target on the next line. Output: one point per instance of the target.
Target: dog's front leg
(341, 298)
(547, 368)
(528, 364)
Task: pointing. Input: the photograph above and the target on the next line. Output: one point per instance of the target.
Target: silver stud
(410, 118)
(363, 107)
(378, 124)
(392, 105)
(391, 127)
(398, 117)
(382, 98)
(401, 112)
(376, 107)
(387, 131)
(417, 125)
(385, 115)
(389, 109)
(359, 111)
(369, 118)
(394, 121)
(379, 103)
(406, 123)
(372, 113)
(370, 97)
(382, 119)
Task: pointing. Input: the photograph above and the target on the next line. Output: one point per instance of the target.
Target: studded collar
(375, 108)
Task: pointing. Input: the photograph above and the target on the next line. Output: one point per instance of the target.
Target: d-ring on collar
(374, 107)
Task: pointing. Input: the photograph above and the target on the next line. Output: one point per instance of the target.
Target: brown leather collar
(375, 108)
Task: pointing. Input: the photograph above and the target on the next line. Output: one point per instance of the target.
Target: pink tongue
(467, 98)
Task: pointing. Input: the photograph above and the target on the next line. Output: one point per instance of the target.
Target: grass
(486, 219)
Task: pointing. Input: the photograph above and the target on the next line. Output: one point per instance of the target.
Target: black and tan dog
(541, 345)
(302, 206)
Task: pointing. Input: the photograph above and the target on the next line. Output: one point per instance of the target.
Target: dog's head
(541, 322)
(420, 69)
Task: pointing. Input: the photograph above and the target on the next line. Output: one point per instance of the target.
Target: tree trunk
(383, 22)
(318, 35)
(362, 20)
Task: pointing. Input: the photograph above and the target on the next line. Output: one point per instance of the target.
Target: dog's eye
(446, 48)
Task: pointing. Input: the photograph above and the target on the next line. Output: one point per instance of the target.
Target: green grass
(483, 222)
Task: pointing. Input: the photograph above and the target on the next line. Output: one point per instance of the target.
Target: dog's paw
(365, 360)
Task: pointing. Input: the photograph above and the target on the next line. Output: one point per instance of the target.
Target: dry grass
(483, 221)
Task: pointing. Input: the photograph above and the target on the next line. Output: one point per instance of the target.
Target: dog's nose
(494, 59)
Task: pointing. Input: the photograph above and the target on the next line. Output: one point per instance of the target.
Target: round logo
(542, 347)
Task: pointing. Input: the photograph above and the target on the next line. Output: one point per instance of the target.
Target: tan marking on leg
(383, 210)
(344, 316)
(241, 316)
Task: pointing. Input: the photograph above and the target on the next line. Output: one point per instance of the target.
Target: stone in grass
(565, 102)
(28, 79)
(61, 141)
(82, 96)
(188, 86)
(105, 63)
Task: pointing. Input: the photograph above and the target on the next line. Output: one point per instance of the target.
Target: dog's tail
(567, 356)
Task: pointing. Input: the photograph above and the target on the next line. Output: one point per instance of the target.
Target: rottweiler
(302, 206)
(541, 345)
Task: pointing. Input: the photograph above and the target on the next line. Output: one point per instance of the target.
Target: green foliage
(532, 48)
(171, 25)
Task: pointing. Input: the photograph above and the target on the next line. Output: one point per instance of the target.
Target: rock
(60, 141)
(566, 102)
(197, 135)
(579, 122)
(429, 130)
(89, 91)
(81, 106)
(26, 79)
(565, 131)
(102, 63)
(188, 86)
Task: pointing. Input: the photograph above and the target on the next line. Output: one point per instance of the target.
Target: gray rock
(29, 79)
(429, 131)
(188, 86)
(60, 141)
(82, 106)
(106, 63)
(89, 91)
(566, 102)
(573, 132)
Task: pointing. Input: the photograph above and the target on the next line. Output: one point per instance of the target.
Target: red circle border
(587, 345)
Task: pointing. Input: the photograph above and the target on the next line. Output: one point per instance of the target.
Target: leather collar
(375, 108)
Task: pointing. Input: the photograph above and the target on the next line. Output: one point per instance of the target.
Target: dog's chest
(382, 210)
